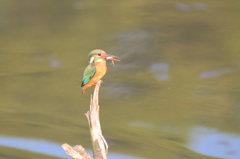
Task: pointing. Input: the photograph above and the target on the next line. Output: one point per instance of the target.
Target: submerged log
(99, 144)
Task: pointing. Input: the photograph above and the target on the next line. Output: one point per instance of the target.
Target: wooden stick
(76, 152)
(98, 141)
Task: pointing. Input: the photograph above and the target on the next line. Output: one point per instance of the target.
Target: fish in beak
(112, 58)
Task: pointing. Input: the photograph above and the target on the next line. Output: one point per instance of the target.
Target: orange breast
(101, 69)
(100, 72)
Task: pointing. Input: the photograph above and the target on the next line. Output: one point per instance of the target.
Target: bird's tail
(83, 89)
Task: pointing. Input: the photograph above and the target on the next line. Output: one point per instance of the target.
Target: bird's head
(100, 55)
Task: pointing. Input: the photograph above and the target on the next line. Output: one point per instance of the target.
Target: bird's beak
(112, 57)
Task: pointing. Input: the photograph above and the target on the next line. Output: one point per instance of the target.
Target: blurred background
(174, 95)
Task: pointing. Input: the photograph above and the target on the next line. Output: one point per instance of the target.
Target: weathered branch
(98, 141)
(76, 152)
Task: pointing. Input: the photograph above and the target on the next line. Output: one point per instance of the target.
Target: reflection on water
(187, 8)
(46, 147)
(54, 63)
(160, 71)
(214, 73)
(118, 90)
(133, 42)
(143, 125)
(78, 5)
(212, 142)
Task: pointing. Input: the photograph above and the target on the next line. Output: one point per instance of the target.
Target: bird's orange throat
(101, 69)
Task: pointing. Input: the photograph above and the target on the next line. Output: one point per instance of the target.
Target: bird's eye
(99, 54)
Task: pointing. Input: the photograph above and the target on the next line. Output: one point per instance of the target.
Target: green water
(179, 69)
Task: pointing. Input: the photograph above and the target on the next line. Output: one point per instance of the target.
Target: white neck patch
(91, 59)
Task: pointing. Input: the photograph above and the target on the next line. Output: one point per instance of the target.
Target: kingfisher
(96, 68)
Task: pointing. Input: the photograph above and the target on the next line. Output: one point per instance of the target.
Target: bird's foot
(100, 83)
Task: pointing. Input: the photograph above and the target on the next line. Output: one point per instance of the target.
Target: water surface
(179, 71)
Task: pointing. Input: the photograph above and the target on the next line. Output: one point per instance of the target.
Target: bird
(96, 68)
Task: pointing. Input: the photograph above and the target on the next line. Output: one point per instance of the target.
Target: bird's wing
(89, 72)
